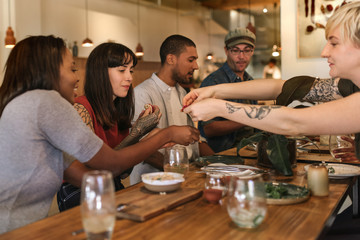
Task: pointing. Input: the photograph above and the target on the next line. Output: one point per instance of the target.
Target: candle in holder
(318, 181)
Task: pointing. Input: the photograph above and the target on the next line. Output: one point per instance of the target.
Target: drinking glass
(246, 204)
(176, 160)
(338, 142)
(98, 205)
(215, 187)
(195, 152)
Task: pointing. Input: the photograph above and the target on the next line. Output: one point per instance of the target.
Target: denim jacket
(225, 75)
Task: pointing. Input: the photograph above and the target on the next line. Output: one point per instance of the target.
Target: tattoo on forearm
(252, 111)
(324, 90)
(85, 115)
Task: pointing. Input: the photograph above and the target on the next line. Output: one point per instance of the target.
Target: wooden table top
(199, 219)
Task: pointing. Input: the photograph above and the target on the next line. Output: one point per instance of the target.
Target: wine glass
(215, 187)
(176, 160)
(246, 204)
(343, 144)
(98, 205)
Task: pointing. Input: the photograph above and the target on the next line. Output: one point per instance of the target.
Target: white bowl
(162, 181)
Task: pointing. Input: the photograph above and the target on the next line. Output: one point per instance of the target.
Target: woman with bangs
(107, 108)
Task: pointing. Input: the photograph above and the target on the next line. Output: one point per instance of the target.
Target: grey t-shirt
(157, 92)
(35, 128)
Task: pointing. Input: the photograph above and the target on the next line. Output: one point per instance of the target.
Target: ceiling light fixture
(250, 26)
(265, 10)
(275, 49)
(139, 51)
(10, 40)
(209, 56)
(87, 42)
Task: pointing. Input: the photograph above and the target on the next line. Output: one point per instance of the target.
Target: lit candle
(318, 181)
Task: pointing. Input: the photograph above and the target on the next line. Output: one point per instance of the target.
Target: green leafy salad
(284, 190)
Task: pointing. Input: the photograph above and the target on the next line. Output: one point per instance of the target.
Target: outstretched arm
(260, 89)
(337, 117)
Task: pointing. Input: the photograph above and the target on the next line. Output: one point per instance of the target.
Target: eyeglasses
(236, 51)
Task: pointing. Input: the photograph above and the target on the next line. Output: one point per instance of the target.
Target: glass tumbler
(215, 187)
(246, 203)
(98, 205)
(339, 142)
(176, 160)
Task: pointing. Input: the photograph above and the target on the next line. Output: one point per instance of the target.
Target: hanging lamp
(275, 48)
(210, 55)
(250, 26)
(87, 42)
(10, 40)
(139, 51)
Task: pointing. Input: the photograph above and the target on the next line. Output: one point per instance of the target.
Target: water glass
(176, 160)
(246, 204)
(339, 142)
(98, 205)
(215, 187)
(193, 151)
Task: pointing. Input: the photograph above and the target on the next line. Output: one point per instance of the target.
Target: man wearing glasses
(222, 134)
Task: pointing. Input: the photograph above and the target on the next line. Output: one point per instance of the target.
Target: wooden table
(200, 220)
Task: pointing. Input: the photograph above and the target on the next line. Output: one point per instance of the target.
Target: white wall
(112, 20)
(291, 65)
(117, 20)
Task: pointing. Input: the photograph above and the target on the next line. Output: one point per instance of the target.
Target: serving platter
(340, 171)
(294, 193)
(232, 169)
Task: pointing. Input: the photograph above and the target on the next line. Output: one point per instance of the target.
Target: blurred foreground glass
(339, 142)
(246, 204)
(98, 205)
(215, 187)
(176, 160)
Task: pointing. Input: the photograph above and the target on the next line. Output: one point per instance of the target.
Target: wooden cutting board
(145, 204)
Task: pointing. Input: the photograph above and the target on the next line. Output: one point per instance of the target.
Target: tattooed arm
(336, 117)
(85, 115)
(253, 112)
(324, 90)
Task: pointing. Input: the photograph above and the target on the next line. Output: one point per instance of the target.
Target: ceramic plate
(288, 193)
(206, 160)
(341, 170)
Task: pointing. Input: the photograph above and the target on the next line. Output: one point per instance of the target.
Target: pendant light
(87, 42)
(139, 52)
(275, 48)
(250, 26)
(177, 17)
(209, 56)
(9, 39)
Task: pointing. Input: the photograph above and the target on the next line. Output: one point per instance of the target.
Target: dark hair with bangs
(34, 63)
(174, 44)
(98, 89)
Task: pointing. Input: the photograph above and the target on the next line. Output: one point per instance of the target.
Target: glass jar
(318, 180)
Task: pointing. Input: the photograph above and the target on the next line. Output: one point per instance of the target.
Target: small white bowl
(162, 181)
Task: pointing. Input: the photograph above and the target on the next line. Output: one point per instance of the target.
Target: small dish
(285, 193)
(162, 181)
